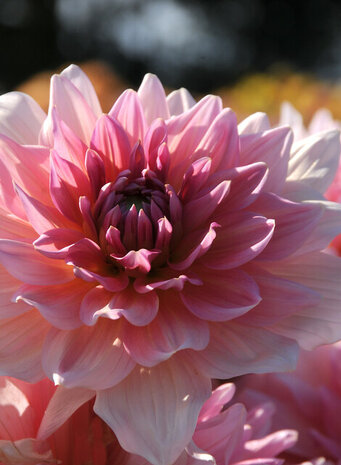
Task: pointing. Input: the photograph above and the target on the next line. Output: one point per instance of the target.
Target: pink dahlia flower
(308, 399)
(33, 431)
(321, 121)
(150, 249)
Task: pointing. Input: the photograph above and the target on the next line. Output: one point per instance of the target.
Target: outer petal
(173, 329)
(223, 296)
(62, 405)
(8, 308)
(153, 98)
(91, 357)
(179, 101)
(28, 265)
(321, 323)
(21, 341)
(172, 394)
(257, 122)
(289, 116)
(60, 305)
(21, 118)
(236, 349)
(314, 160)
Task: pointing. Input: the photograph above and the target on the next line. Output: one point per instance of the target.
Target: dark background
(197, 44)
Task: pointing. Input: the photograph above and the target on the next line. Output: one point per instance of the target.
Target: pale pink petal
(165, 280)
(9, 285)
(179, 101)
(240, 238)
(9, 200)
(62, 405)
(129, 112)
(81, 81)
(173, 329)
(60, 305)
(172, 394)
(322, 120)
(223, 296)
(21, 117)
(153, 98)
(236, 349)
(320, 324)
(138, 309)
(289, 116)
(25, 451)
(257, 122)
(221, 435)
(91, 357)
(13, 227)
(21, 340)
(314, 160)
(71, 107)
(270, 445)
(31, 267)
(293, 224)
(273, 148)
(219, 398)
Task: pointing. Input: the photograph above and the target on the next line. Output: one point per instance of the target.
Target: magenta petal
(96, 171)
(223, 296)
(31, 267)
(173, 329)
(236, 349)
(241, 237)
(86, 254)
(172, 394)
(294, 222)
(56, 243)
(129, 112)
(137, 259)
(91, 357)
(60, 305)
(21, 341)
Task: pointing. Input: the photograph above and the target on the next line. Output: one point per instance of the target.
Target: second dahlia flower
(147, 250)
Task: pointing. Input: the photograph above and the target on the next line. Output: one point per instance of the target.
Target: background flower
(161, 245)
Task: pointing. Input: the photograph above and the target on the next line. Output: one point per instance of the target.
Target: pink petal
(9, 285)
(153, 98)
(257, 122)
(179, 101)
(21, 341)
(294, 222)
(19, 161)
(21, 117)
(273, 148)
(154, 138)
(81, 81)
(129, 112)
(96, 171)
(172, 329)
(164, 280)
(60, 305)
(29, 266)
(138, 309)
(219, 398)
(195, 178)
(56, 243)
(110, 141)
(271, 445)
(241, 237)
(62, 405)
(280, 298)
(236, 349)
(139, 260)
(319, 324)
(13, 227)
(314, 160)
(90, 357)
(172, 395)
(42, 217)
(223, 296)
(72, 108)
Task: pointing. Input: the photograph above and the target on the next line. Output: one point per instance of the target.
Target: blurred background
(254, 53)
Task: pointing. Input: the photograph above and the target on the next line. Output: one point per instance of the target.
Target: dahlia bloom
(148, 250)
(321, 121)
(308, 399)
(31, 432)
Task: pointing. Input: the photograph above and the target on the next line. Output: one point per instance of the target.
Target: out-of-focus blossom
(308, 399)
(321, 121)
(31, 433)
(160, 246)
